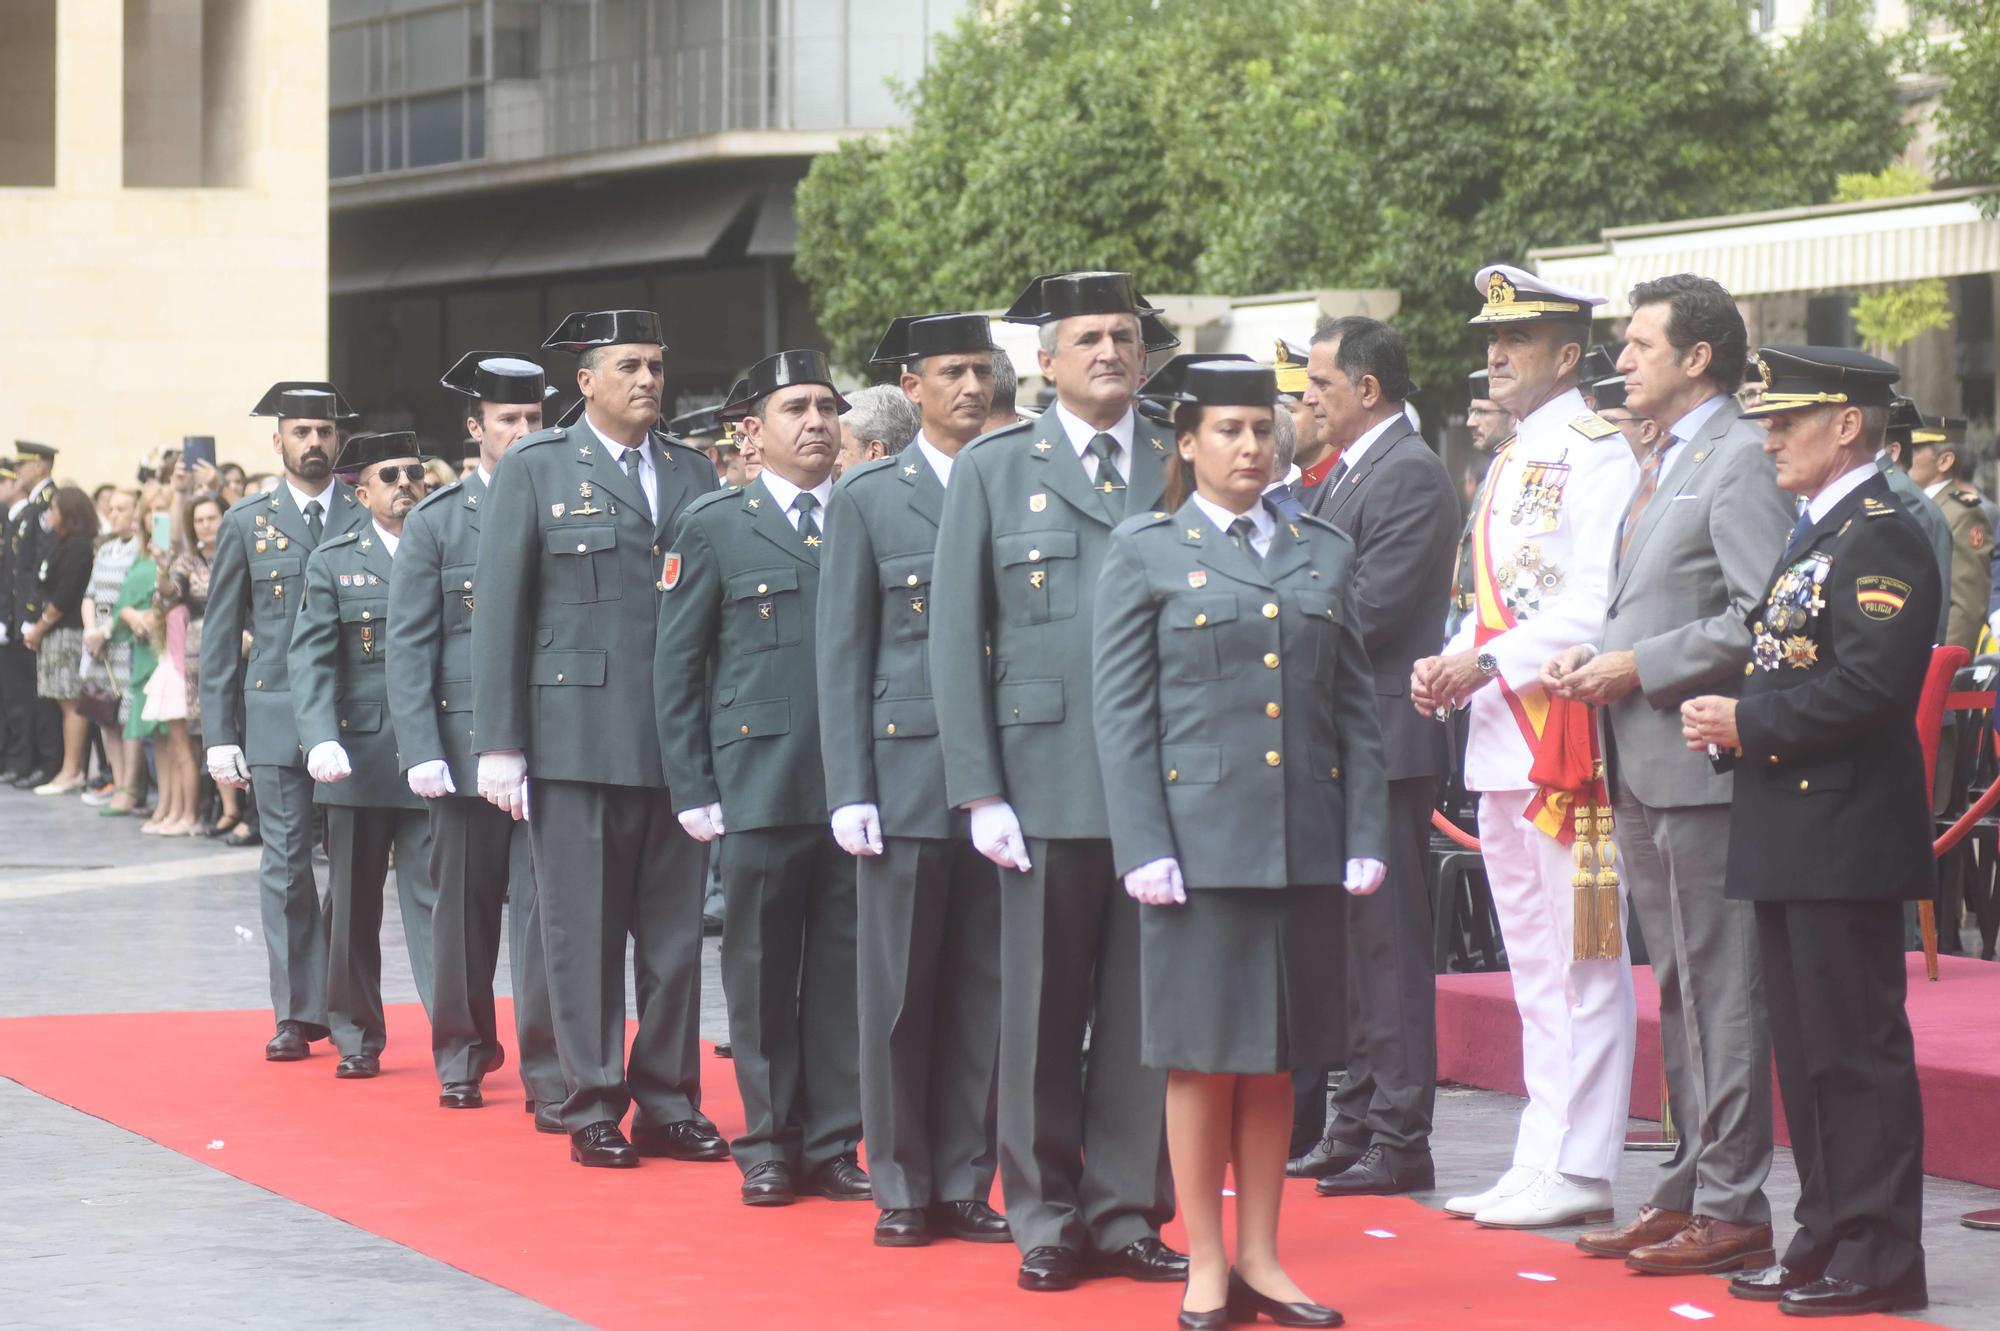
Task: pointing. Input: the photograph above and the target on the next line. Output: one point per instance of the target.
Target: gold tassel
(1609, 942)
(1583, 887)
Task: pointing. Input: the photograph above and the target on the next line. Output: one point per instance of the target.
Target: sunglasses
(413, 473)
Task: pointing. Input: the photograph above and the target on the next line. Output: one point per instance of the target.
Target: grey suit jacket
(1399, 507)
(430, 632)
(1698, 561)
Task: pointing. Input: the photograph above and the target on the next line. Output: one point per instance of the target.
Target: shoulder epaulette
(908, 458)
(673, 442)
(346, 537)
(1143, 521)
(1875, 508)
(1593, 426)
(540, 437)
(438, 494)
(247, 501)
(1004, 432)
(710, 500)
(1968, 496)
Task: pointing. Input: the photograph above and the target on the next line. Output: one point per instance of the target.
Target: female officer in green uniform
(1242, 761)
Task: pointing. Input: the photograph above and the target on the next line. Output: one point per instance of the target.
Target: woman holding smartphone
(1235, 715)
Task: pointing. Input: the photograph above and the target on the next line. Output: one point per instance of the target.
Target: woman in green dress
(1242, 759)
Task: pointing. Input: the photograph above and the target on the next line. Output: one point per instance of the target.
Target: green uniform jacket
(563, 652)
(1971, 563)
(339, 692)
(878, 723)
(255, 586)
(430, 632)
(1024, 537)
(733, 666)
(1235, 705)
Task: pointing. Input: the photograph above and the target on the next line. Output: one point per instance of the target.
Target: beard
(312, 466)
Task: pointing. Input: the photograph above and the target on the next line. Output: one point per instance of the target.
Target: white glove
(503, 781)
(1364, 876)
(327, 763)
(26, 624)
(996, 834)
(704, 823)
(858, 829)
(1157, 884)
(432, 779)
(227, 768)
(6, 636)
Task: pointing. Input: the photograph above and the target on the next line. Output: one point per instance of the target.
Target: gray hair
(882, 412)
(1284, 441)
(1050, 332)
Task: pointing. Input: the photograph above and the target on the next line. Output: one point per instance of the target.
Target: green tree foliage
(1889, 318)
(1244, 146)
(1966, 51)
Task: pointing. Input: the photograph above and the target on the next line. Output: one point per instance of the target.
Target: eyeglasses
(413, 473)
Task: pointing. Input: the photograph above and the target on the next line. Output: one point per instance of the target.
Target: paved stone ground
(101, 1228)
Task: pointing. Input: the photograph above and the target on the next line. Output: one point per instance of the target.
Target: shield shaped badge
(670, 572)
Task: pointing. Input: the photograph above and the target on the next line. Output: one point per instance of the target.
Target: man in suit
(1893, 460)
(340, 700)
(739, 733)
(35, 721)
(1543, 540)
(254, 587)
(1938, 467)
(929, 902)
(562, 684)
(1695, 549)
(479, 856)
(1393, 496)
(1829, 834)
(1028, 518)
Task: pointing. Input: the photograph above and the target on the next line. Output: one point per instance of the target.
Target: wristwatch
(1488, 664)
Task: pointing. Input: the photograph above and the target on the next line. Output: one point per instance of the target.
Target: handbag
(98, 701)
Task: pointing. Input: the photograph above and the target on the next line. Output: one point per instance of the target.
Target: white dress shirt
(324, 499)
(1350, 457)
(786, 494)
(648, 480)
(940, 462)
(1838, 489)
(1683, 431)
(390, 540)
(1081, 432)
(1262, 525)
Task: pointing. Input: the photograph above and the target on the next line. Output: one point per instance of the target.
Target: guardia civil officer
(340, 699)
(479, 855)
(562, 684)
(255, 587)
(929, 902)
(1234, 707)
(9, 489)
(35, 722)
(739, 733)
(1829, 833)
(1028, 517)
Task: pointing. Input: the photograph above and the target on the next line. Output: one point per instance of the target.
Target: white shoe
(1517, 1180)
(1555, 1199)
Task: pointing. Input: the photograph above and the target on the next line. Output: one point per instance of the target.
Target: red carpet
(668, 1245)
(1958, 1055)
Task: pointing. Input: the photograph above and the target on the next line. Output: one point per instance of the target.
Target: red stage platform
(1958, 1055)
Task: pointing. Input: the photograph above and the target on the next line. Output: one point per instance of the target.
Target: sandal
(112, 810)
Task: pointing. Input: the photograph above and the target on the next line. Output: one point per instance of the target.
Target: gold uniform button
(743, 730)
(762, 588)
(441, 703)
(1271, 710)
(366, 615)
(260, 683)
(1805, 785)
(1272, 759)
(1201, 621)
(911, 580)
(890, 728)
(1749, 667)
(1270, 609)
(1270, 660)
(656, 551)
(1173, 774)
(1774, 760)
(1333, 773)
(343, 723)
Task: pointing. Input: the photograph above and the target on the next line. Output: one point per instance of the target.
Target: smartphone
(197, 449)
(163, 530)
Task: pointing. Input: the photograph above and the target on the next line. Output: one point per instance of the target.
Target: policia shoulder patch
(1880, 597)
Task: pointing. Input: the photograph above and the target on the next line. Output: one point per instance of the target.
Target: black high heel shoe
(1245, 1303)
(1214, 1319)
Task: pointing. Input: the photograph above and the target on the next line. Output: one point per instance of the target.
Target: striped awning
(1826, 248)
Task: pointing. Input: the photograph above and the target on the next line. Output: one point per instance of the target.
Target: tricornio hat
(787, 369)
(606, 328)
(304, 400)
(1067, 295)
(1213, 380)
(915, 336)
(365, 450)
(497, 376)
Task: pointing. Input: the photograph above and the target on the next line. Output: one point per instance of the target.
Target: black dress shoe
(460, 1095)
(768, 1183)
(1326, 1158)
(840, 1180)
(601, 1145)
(1832, 1297)
(1768, 1285)
(40, 777)
(904, 1227)
(358, 1067)
(711, 926)
(1148, 1260)
(1048, 1270)
(241, 835)
(1245, 1303)
(1376, 1175)
(548, 1118)
(689, 1139)
(974, 1222)
(724, 1050)
(289, 1045)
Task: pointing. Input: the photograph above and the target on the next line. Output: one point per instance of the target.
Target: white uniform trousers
(1578, 1021)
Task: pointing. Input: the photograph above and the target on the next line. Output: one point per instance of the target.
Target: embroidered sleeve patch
(1880, 597)
(670, 572)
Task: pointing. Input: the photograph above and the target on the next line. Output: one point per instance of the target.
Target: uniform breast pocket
(273, 585)
(362, 626)
(456, 584)
(906, 596)
(1039, 581)
(1316, 620)
(586, 563)
(1190, 627)
(763, 610)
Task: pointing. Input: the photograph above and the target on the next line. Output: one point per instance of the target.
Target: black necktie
(1109, 482)
(313, 524)
(808, 527)
(631, 461)
(1240, 531)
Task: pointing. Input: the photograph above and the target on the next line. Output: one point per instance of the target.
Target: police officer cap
(1066, 295)
(915, 336)
(26, 451)
(1514, 296)
(304, 400)
(1213, 380)
(6, 471)
(1948, 430)
(496, 376)
(365, 450)
(1478, 385)
(606, 328)
(1290, 366)
(1795, 378)
(1609, 392)
(787, 369)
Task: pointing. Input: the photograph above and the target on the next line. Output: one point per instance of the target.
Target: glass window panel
(517, 39)
(343, 143)
(346, 10)
(817, 74)
(392, 136)
(347, 65)
(392, 75)
(475, 123)
(437, 129)
(436, 48)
